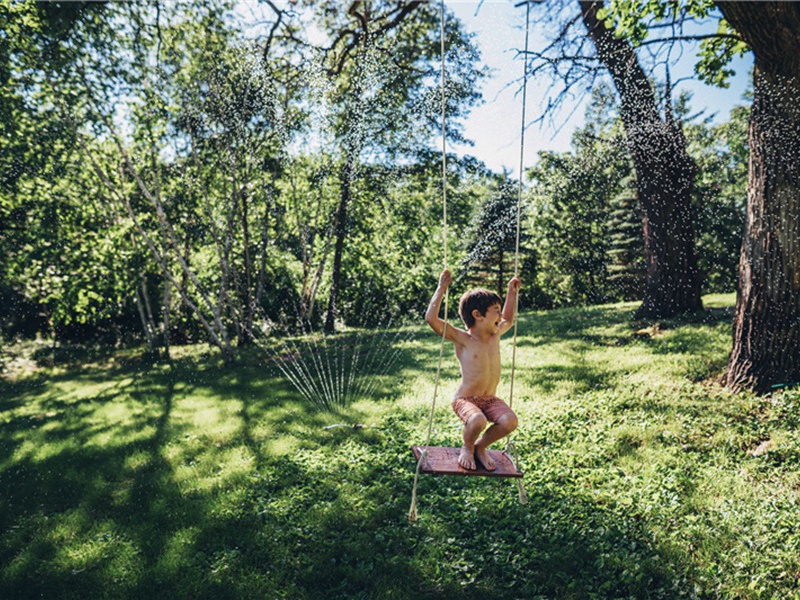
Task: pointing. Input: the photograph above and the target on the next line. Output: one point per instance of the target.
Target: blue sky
(495, 126)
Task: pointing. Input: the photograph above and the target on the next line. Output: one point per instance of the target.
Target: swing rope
(510, 448)
(412, 512)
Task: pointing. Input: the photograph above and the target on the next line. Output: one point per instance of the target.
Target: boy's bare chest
(480, 352)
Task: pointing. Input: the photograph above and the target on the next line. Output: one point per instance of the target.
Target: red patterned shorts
(491, 406)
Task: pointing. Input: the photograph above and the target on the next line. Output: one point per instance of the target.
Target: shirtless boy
(478, 352)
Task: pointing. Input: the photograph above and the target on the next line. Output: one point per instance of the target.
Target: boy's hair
(477, 298)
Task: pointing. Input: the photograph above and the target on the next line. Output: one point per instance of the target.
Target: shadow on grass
(94, 473)
(77, 484)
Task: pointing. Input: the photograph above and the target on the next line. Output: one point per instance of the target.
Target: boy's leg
(472, 429)
(505, 424)
(474, 422)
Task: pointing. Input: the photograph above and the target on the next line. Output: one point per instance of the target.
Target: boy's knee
(478, 420)
(509, 421)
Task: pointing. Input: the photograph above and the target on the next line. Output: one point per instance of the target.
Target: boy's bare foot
(466, 459)
(484, 458)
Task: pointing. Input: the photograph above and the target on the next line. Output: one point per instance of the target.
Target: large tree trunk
(340, 227)
(766, 330)
(664, 176)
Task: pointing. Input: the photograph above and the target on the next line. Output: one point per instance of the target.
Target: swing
(440, 460)
(444, 461)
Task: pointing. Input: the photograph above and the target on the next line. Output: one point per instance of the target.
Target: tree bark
(147, 324)
(262, 264)
(766, 329)
(166, 308)
(664, 177)
(245, 333)
(340, 227)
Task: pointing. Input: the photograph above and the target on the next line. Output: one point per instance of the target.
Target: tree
(491, 241)
(584, 46)
(571, 229)
(64, 252)
(627, 266)
(196, 153)
(309, 189)
(766, 332)
(572, 192)
(664, 175)
(380, 67)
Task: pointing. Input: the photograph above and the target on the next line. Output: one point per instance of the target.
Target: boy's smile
(493, 317)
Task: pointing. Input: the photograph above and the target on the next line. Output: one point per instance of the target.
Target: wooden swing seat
(444, 461)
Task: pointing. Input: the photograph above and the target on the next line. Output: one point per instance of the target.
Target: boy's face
(489, 322)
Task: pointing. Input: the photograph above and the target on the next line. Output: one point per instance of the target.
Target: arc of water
(369, 364)
(353, 367)
(385, 365)
(297, 381)
(294, 380)
(312, 381)
(318, 367)
(313, 371)
(342, 367)
(329, 373)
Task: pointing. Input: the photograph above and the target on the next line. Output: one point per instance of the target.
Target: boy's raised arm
(432, 314)
(510, 305)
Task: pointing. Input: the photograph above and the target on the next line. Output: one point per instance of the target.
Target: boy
(478, 352)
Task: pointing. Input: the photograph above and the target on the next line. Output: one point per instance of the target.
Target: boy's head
(478, 299)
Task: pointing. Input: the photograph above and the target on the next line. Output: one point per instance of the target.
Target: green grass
(124, 480)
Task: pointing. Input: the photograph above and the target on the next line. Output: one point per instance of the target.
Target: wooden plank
(444, 461)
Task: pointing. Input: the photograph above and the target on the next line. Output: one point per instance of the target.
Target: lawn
(645, 479)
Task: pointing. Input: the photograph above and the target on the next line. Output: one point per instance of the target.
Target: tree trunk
(245, 333)
(263, 247)
(766, 329)
(166, 307)
(500, 274)
(340, 227)
(147, 324)
(664, 176)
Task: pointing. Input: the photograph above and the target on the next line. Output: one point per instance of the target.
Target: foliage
(164, 183)
(49, 234)
(395, 252)
(588, 227)
(627, 263)
(183, 184)
(572, 192)
(721, 154)
(634, 20)
(491, 240)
